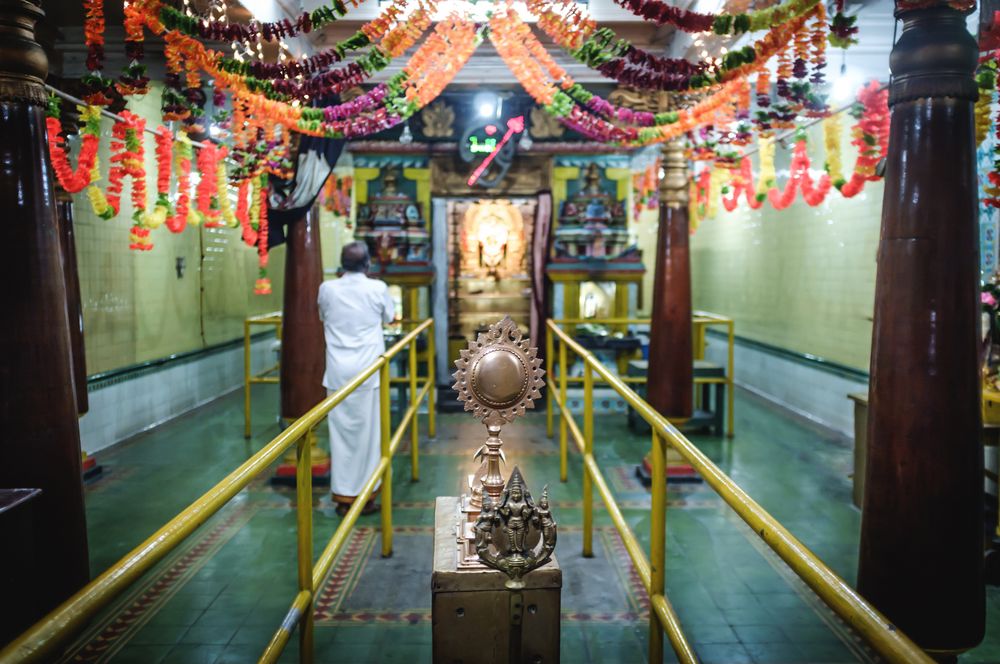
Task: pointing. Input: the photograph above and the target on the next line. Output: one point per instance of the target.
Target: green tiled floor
(219, 597)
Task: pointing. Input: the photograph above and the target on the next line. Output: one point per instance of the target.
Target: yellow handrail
(875, 628)
(42, 640)
(700, 320)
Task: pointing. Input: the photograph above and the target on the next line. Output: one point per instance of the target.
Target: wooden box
(473, 612)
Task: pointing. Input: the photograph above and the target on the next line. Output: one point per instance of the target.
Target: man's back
(353, 309)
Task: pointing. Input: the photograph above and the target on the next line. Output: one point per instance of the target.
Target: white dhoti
(353, 309)
(354, 443)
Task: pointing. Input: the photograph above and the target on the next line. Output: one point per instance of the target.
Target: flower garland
(208, 200)
(800, 180)
(263, 284)
(871, 138)
(661, 13)
(767, 176)
(70, 179)
(133, 80)
(127, 155)
(831, 143)
(986, 82)
(93, 33)
(164, 140)
(742, 183)
(183, 155)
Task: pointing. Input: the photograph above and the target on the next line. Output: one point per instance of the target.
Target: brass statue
(498, 377)
(438, 120)
(507, 535)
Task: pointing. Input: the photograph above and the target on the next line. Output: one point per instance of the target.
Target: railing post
(246, 379)
(564, 412)
(588, 450)
(303, 499)
(414, 424)
(432, 381)
(549, 349)
(385, 424)
(730, 388)
(657, 541)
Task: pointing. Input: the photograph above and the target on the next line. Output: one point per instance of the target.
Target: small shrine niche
(593, 222)
(391, 223)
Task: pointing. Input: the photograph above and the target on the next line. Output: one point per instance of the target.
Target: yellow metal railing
(269, 375)
(701, 320)
(873, 627)
(43, 640)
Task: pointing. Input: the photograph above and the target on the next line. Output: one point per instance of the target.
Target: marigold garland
(742, 184)
(208, 201)
(263, 284)
(813, 193)
(70, 179)
(831, 143)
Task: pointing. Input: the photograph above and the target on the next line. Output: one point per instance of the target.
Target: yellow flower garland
(831, 141)
(225, 205)
(767, 175)
(982, 114)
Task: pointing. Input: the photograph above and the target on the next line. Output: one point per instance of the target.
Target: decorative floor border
(138, 607)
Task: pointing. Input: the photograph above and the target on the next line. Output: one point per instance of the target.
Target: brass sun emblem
(499, 376)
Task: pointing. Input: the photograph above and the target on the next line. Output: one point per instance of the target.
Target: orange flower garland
(208, 203)
(73, 180)
(263, 285)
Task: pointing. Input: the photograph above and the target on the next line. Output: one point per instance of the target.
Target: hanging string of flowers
(183, 156)
(262, 286)
(986, 79)
(133, 80)
(871, 137)
(831, 144)
(661, 13)
(742, 184)
(164, 139)
(813, 192)
(70, 179)
(304, 23)
(208, 201)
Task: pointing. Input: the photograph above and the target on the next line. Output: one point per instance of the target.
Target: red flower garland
(871, 137)
(164, 156)
(743, 184)
(207, 192)
(73, 180)
(243, 212)
(812, 193)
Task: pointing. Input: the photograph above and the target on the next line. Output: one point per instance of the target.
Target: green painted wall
(802, 278)
(135, 307)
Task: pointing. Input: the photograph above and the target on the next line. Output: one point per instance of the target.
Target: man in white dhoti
(353, 309)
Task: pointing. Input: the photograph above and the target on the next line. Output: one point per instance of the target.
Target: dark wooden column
(39, 433)
(669, 386)
(74, 308)
(303, 351)
(922, 526)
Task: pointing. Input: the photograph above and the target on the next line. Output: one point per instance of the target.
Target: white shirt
(353, 309)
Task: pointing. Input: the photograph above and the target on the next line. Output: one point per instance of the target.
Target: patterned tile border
(102, 641)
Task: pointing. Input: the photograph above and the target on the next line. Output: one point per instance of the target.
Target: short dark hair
(354, 257)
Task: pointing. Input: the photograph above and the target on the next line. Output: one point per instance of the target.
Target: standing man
(353, 309)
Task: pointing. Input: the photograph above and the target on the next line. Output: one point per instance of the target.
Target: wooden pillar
(40, 440)
(74, 308)
(921, 558)
(669, 387)
(303, 351)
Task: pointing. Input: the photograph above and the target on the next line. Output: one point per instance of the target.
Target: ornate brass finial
(515, 535)
(674, 184)
(498, 377)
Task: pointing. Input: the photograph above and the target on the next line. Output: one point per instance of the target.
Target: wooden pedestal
(475, 617)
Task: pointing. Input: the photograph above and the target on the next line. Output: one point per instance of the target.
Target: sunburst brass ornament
(498, 377)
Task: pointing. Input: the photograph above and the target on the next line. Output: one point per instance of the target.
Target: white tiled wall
(813, 393)
(123, 409)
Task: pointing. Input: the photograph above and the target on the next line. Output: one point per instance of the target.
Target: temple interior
(483, 331)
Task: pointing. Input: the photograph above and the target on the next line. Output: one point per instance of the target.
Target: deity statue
(507, 537)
